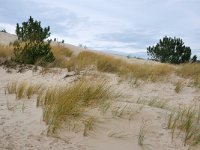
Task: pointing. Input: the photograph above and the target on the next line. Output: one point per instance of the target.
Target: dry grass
(61, 51)
(186, 119)
(88, 125)
(120, 134)
(106, 63)
(64, 103)
(142, 133)
(154, 103)
(22, 90)
(6, 51)
(190, 71)
(125, 110)
(11, 88)
(179, 86)
(32, 89)
(61, 54)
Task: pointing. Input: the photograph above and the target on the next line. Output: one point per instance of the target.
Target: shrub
(31, 46)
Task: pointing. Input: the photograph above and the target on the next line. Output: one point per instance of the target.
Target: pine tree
(170, 50)
(31, 46)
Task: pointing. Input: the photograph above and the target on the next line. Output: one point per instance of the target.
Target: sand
(22, 126)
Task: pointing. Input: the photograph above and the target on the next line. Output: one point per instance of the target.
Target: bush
(170, 50)
(31, 46)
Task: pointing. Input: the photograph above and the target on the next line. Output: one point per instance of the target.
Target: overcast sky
(122, 25)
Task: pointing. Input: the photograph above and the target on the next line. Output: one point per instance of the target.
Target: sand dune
(22, 126)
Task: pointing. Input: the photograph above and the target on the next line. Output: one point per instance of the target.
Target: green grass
(61, 104)
(186, 120)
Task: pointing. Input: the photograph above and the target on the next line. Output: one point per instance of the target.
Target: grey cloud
(129, 38)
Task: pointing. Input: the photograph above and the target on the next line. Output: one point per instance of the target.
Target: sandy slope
(6, 38)
(22, 126)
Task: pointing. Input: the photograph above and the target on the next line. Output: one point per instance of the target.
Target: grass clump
(186, 120)
(153, 102)
(11, 88)
(22, 90)
(32, 89)
(190, 71)
(6, 51)
(142, 133)
(179, 86)
(88, 125)
(61, 104)
(61, 54)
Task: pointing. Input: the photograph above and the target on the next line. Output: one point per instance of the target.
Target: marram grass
(186, 120)
(22, 89)
(61, 104)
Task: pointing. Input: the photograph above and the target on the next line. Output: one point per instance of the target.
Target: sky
(125, 26)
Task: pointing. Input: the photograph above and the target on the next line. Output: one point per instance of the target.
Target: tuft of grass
(142, 133)
(64, 103)
(88, 125)
(32, 89)
(154, 103)
(21, 90)
(186, 120)
(11, 88)
(190, 71)
(6, 51)
(179, 86)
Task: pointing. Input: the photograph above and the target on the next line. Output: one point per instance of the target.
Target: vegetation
(186, 119)
(66, 103)
(179, 86)
(105, 63)
(61, 54)
(142, 133)
(191, 71)
(22, 90)
(170, 50)
(6, 51)
(31, 46)
(11, 88)
(154, 103)
(88, 125)
(3, 30)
